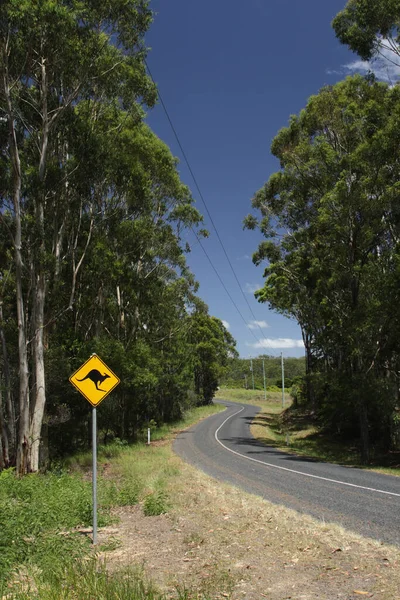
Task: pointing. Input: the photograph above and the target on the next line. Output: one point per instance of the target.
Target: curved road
(222, 446)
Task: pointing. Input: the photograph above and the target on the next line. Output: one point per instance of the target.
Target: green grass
(33, 512)
(91, 581)
(307, 439)
(40, 514)
(105, 453)
(141, 473)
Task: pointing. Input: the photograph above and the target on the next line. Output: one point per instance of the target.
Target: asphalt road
(222, 446)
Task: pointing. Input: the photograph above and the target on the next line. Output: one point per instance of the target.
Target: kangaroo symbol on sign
(95, 376)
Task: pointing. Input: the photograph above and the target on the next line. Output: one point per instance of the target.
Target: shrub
(129, 494)
(156, 503)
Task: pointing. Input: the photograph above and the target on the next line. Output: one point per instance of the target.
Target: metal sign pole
(86, 380)
(94, 476)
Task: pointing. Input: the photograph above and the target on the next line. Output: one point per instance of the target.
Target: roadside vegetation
(93, 236)
(335, 268)
(329, 229)
(46, 519)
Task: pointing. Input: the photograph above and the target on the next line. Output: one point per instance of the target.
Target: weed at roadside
(39, 514)
(156, 503)
(85, 580)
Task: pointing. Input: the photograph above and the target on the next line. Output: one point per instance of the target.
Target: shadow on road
(266, 450)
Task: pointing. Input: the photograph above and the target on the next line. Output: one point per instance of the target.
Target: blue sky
(231, 73)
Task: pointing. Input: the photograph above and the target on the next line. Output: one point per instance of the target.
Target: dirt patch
(219, 542)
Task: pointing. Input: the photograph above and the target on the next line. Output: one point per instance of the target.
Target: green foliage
(212, 348)
(104, 217)
(156, 503)
(336, 268)
(128, 494)
(34, 512)
(362, 24)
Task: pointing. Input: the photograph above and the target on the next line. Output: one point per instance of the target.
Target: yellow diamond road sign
(94, 380)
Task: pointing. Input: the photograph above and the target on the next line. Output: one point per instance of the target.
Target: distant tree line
(93, 236)
(331, 221)
(241, 372)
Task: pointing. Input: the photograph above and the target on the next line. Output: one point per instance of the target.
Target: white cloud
(277, 343)
(257, 324)
(244, 257)
(385, 66)
(225, 324)
(250, 288)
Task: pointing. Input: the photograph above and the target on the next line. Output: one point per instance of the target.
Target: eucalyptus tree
(331, 220)
(53, 57)
(371, 29)
(142, 285)
(211, 348)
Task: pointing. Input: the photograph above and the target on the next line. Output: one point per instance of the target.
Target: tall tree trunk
(40, 292)
(40, 392)
(23, 423)
(2, 464)
(9, 410)
(4, 445)
(310, 395)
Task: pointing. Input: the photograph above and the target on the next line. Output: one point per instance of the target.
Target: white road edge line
(360, 487)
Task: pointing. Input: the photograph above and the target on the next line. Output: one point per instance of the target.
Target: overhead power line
(212, 223)
(224, 286)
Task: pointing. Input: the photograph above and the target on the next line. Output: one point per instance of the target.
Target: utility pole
(252, 372)
(245, 381)
(265, 387)
(283, 382)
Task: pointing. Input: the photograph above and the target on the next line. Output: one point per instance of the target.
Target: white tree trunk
(8, 411)
(4, 447)
(37, 412)
(23, 423)
(40, 391)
